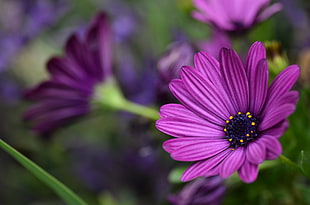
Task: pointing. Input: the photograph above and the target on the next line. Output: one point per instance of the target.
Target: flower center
(241, 129)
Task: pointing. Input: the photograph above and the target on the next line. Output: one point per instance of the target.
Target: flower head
(202, 191)
(229, 119)
(66, 95)
(234, 15)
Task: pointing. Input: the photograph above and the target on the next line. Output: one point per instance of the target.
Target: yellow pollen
(227, 121)
(230, 140)
(231, 117)
(239, 113)
(248, 113)
(241, 140)
(252, 131)
(248, 135)
(232, 149)
(225, 129)
(249, 116)
(253, 123)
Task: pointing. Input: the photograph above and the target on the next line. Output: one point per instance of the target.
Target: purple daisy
(229, 119)
(67, 94)
(234, 15)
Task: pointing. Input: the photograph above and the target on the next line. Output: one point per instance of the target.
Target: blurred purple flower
(202, 191)
(229, 119)
(169, 65)
(66, 95)
(138, 85)
(213, 46)
(21, 21)
(234, 15)
(124, 19)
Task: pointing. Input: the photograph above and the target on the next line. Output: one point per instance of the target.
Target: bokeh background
(113, 158)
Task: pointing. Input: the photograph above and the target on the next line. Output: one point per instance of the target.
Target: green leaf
(304, 162)
(59, 188)
(301, 159)
(293, 165)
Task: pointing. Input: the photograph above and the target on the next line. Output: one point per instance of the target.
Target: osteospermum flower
(66, 95)
(234, 15)
(229, 119)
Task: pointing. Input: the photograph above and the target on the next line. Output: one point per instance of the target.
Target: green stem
(292, 164)
(110, 95)
(140, 110)
(64, 192)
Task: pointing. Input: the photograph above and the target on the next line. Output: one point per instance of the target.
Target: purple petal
(72, 72)
(232, 162)
(283, 83)
(183, 127)
(291, 97)
(269, 11)
(47, 116)
(176, 110)
(248, 172)
(215, 171)
(200, 16)
(100, 33)
(205, 92)
(258, 90)
(212, 12)
(250, 10)
(52, 90)
(209, 67)
(277, 130)
(49, 106)
(177, 143)
(273, 146)
(235, 79)
(49, 120)
(181, 93)
(194, 148)
(203, 167)
(74, 48)
(257, 73)
(181, 112)
(256, 53)
(275, 116)
(256, 152)
(61, 66)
